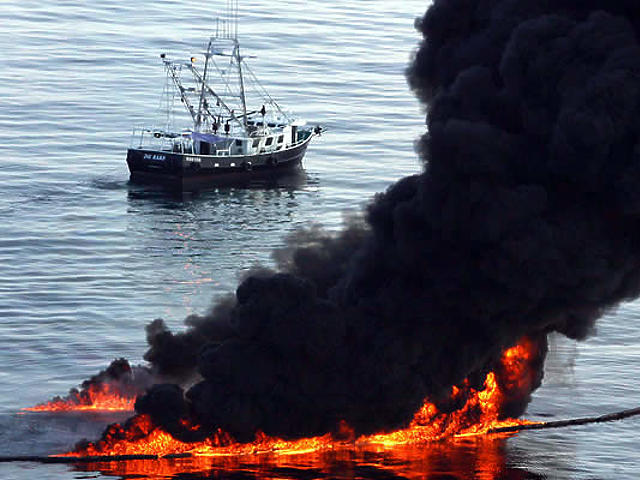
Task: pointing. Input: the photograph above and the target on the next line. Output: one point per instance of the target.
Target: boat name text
(151, 156)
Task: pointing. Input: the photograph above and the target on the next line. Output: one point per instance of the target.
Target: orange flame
(103, 397)
(480, 412)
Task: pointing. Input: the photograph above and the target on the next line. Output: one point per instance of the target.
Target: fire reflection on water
(482, 458)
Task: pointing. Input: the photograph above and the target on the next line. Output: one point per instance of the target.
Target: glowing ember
(480, 412)
(98, 397)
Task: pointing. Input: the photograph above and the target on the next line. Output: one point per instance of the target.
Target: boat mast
(227, 29)
(243, 97)
(212, 92)
(232, 20)
(198, 122)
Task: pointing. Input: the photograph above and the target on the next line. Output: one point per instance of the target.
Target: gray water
(86, 259)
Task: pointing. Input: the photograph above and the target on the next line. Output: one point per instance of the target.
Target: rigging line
(261, 87)
(221, 75)
(212, 92)
(228, 86)
(172, 71)
(264, 91)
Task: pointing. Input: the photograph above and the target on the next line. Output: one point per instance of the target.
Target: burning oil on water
(112, 390)
(472, 412)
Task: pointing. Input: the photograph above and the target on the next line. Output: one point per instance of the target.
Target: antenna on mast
(230, 20)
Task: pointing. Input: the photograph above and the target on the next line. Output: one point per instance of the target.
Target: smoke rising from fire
(524, 221)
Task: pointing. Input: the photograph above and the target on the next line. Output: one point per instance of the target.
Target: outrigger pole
(170, 66)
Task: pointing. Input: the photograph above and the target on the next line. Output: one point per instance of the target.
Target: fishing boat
(236, 131)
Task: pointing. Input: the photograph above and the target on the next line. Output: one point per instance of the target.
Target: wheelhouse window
(269, 141)
(281, 139)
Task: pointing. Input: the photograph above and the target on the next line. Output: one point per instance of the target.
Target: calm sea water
(86, 259)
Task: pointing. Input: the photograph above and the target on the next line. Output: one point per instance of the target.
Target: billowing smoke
(524, 221)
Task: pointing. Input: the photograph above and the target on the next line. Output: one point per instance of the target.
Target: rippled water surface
(86, 259)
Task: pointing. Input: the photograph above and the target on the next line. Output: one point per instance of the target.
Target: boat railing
(157, 139)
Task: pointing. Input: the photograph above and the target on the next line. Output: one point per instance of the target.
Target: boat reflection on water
(470, 458)
(292, 181)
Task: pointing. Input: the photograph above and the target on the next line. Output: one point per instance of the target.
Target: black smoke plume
(524, 221)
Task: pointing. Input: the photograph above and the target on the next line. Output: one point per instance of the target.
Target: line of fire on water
(479, 414)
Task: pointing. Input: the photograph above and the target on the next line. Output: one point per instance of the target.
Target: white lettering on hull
(154, 156)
